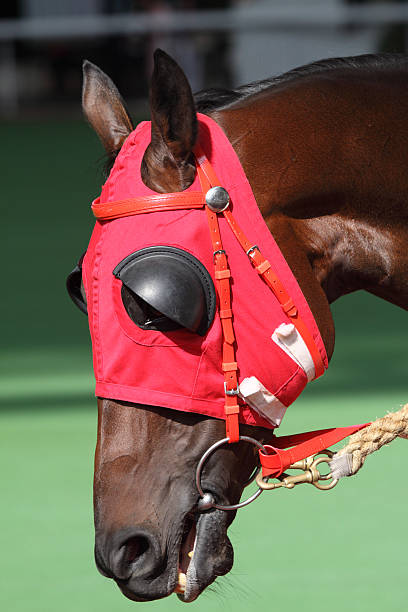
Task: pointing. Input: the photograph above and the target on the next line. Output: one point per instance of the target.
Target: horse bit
(310, 474)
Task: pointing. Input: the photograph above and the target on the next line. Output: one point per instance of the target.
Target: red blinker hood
(180, 369)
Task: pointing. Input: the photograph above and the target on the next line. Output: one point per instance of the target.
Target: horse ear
(168, 159)
(104, 108)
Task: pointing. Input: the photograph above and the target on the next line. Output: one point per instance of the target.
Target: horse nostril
(134, 554)
(135, 548)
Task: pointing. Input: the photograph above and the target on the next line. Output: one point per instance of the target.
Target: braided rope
(350, 459)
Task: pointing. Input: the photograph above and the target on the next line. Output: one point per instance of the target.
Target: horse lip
(199, 574)
(132, 596)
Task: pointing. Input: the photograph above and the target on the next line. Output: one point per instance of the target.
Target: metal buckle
(310, 475)
(219, 252)
(231, 391)
(252, 249)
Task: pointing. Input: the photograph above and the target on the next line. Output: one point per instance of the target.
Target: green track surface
(295, 550)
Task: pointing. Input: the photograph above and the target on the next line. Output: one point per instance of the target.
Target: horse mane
(215, 99)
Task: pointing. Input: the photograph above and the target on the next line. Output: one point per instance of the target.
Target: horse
(322, 147)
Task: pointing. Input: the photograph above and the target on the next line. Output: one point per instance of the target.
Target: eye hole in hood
(166, 288)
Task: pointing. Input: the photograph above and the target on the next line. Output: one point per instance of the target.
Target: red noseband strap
(188, 200)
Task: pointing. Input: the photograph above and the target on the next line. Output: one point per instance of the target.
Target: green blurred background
(294, 549)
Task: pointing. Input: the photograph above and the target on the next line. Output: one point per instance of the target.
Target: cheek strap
(208, 179)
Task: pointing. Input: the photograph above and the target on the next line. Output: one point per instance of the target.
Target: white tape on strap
(252, 391)
(287, 337)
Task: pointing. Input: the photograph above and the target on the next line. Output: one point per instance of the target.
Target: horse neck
(329, 180)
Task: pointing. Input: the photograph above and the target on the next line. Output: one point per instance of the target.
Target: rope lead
(348, 460)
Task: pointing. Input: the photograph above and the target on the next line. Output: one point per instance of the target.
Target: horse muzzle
(145, 570)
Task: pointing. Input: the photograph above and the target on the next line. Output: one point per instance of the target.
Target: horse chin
(210, 555)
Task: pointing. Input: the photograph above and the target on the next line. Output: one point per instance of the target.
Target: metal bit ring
(202, 462)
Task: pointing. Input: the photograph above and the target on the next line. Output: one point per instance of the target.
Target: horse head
(321, 200)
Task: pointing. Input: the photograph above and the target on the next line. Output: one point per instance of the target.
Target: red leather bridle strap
(303, 445)
(262, 265)
(146, 204)
(264, 269)
(209, 179)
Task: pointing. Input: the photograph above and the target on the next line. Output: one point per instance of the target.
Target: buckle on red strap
(252, 249)
(231, 391)
(219, 252)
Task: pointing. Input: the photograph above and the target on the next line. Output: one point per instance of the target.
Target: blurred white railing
(302, 16)
(288, 15)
